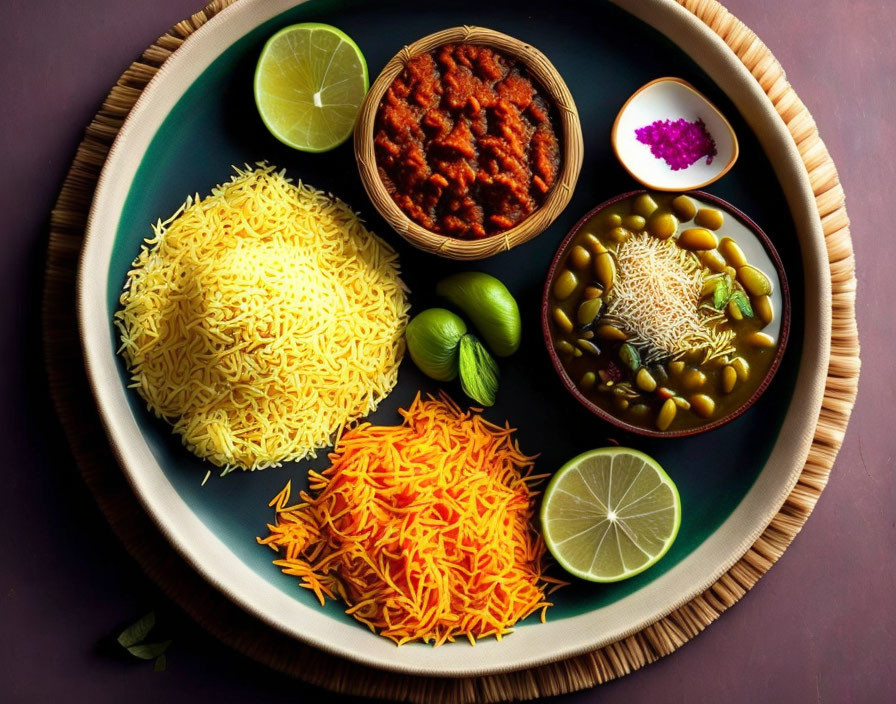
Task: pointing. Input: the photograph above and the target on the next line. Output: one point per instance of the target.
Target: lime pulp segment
(309, 85)
(609, 514)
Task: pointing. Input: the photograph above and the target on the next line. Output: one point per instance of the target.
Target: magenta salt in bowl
(669, 137)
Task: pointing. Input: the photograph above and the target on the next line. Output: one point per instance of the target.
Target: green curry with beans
(620, 367)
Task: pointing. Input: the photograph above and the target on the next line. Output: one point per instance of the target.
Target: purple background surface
(821, 627)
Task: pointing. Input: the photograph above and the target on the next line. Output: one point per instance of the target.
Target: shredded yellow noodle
(262, 319)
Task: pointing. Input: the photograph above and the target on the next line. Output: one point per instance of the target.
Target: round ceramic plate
(197, 118)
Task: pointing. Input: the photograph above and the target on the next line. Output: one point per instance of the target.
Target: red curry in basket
(465, 142)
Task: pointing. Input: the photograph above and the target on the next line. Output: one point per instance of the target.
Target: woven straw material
(217, 614)
(558, 197)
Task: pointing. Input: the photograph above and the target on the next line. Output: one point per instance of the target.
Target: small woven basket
(571, 141)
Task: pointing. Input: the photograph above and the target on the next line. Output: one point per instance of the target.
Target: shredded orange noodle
(424, 529)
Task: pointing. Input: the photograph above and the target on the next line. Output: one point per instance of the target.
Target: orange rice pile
(423, 529)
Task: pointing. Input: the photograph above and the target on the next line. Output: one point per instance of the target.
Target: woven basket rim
(558, 196)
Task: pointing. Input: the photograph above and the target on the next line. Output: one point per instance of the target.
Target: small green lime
(309, 84)
(609, 514)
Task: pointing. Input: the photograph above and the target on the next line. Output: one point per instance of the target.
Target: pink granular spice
(679, 143)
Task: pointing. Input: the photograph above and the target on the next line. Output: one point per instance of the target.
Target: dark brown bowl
(609, 417)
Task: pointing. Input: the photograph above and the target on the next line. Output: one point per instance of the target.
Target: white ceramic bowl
(671, 99)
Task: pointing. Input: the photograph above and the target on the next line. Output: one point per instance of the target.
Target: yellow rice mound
(261, 320)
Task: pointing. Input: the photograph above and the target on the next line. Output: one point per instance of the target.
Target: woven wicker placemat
(76, 408)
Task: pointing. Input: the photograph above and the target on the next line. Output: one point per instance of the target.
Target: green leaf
(149, 651)
(722, 293)
(478, 371)
(160, 663)
(138, 631)
(741, 301)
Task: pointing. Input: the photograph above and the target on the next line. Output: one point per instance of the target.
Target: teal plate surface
(603, 55)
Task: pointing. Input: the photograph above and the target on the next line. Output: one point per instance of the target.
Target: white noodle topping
(656, 301)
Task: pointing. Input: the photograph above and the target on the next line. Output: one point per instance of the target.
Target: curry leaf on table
(136, 632)
(149, 651)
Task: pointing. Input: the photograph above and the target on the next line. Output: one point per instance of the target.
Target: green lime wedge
(309, 84)
(609, 514)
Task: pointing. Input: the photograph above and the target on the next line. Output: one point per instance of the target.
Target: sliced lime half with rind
(310, 81)
(609, 514)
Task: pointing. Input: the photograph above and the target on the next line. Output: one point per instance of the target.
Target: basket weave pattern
(571, 140)
(213, 611)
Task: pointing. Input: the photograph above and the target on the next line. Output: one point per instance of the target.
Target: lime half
(309, 84)
(609, 514)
